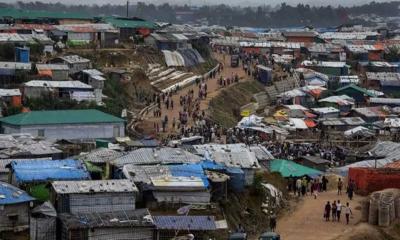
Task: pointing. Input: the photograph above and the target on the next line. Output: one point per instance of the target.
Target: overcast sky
(202, 2)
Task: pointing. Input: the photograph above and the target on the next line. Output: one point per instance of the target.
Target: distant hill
(284, 15)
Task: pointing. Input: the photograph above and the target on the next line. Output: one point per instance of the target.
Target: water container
(384, 217)
(373, 212)
(364, 210)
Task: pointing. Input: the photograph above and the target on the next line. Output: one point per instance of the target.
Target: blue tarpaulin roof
(47, 170)
(11, 195)
(189, 170)
(194, 223)
(211, 165)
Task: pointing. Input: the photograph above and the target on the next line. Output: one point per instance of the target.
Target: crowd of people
(293, 151)
(336, 208)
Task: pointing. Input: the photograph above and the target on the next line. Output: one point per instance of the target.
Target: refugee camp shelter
(300, 36)
(9, 72)
(93, 196)
(178, 183)
(57, 72)
(34, 175)
(232, 156)
(131, 27)
(168, 41)
(359, 94)
(98, 162)
(167, 226)
(289, 168)
(153, 156)
(14, 208)
(11, 97)
(69, 90)
(75, 63)
(328, 68)
(118, 225)
(65, 124)
(43, 222)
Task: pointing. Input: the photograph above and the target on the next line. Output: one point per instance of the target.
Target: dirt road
(307, 223)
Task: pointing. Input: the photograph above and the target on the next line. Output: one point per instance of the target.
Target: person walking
(272, 222)
(347, 212)
(298, 186)
(339, 187)
(338, 210)
(350, 190)
(327, 211)
(324, 183)
(334, 210)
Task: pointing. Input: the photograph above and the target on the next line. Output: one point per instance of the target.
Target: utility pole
(127, 9)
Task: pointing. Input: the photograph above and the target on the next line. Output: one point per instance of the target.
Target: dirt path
(213, 90)
(306, 222)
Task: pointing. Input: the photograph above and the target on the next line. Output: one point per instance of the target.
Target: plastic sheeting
(182, 58)
(173, 59)
(358, 131)
(390, 151)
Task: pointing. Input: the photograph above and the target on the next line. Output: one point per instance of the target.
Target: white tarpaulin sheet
(298, 123)
(173, 59)
(358, 131)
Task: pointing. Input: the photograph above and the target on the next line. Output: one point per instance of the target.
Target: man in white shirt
(338, 210)
(347, 212)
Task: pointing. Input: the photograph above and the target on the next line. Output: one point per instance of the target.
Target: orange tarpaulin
(45, 73)
(310, 123)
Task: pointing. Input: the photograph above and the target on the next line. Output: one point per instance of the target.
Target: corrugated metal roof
(15, 65)
(261, 152)
(383, 76)
(74, 59)
(58, 84)
(48, 170)
(325, 110)
(144, 174)
(61, 117)
(230, 155)
(147, 156)
(23, 145)
(52, 67)
(86, 28)
(347, 35)
(93, 72)
(191, 223)
(179, 197)
(371, 112)
(324, 64)
(10, 92)
(12, 195)
(94, 186)
(138, 217)
(100, 155)
(393, 101)
(178, 183)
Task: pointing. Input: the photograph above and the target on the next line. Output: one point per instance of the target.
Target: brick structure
(370, 179)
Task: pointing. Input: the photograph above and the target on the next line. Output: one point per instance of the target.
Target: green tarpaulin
(289, 168)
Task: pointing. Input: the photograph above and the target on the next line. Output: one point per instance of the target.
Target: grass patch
(225, 108)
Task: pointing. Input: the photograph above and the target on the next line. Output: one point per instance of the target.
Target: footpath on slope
(213, 89)
(306, 220)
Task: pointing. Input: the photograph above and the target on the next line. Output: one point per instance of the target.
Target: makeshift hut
(43, 222)
(34, 175)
